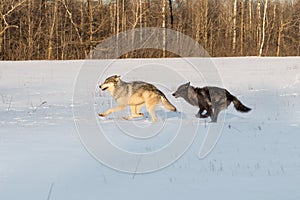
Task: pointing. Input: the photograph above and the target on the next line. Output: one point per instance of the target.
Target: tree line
(71, 29)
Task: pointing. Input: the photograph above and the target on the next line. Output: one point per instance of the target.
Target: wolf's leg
(111, 110)
(209, 112)
(135, 112)
(150, 106)
(151, 110)
(214, 116)
(204, 116)
(200, 115)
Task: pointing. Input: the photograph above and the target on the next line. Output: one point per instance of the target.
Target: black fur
(210, 100)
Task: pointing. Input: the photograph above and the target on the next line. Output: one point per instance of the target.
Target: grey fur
(135, 94)
(210, 100)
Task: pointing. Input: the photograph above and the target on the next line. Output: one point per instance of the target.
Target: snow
(53, 145)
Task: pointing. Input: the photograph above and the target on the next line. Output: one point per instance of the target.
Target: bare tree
(141, 19)
(258, 33)
(171, 13)
(51, 30)
(4, 23)
(1, 29)
(250, 14)
(198, 17)
(4, 15)
(90, 17)
(69, 29)
(242, 28)
(74, 25)
(263, 29)
(234, 26)
(30, 30)
(124, 21)
(205, 23)
(164, 26)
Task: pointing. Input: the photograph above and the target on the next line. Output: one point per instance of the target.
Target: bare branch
(71, 20)
(13, 8)
(7, 27)
(3, 16)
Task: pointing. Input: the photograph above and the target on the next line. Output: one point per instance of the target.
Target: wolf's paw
(202, 116)
(127, 118)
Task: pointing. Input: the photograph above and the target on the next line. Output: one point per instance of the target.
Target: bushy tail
(166, 103)
(239, 106)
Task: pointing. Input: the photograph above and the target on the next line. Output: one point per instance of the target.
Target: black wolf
(212, 100)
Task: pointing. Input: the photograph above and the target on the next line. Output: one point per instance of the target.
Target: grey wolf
(210, 99)
(134, 94)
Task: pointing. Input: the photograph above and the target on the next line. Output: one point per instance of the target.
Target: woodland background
(70, 29)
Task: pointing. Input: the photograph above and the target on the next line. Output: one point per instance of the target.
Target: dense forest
(70, 29)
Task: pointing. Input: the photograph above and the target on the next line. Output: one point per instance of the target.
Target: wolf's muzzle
(103, 89)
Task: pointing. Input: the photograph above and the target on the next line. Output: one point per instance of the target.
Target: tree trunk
(141, 20)
(250, 15)
(242, 28)
(171, 13)
(211, 39)
(90, 12)
(250, 35)
(234, 27)
(263, 28)
(205, 33)
(198, 18)
(118, 17)
(30, 39)
(270, 33)
(51, 33)
(1, 35)
(280, 31)
(111, 18)
(299, 40)
(123, 16)
(82, 21)
(258, 33)
(164, 26)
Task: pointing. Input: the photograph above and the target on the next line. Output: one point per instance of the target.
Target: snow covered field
(47, 110)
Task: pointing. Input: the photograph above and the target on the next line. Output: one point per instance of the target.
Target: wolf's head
(182, 90)
(110, 83)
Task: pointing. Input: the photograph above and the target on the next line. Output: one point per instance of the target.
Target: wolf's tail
(166, 103)
(239, 106)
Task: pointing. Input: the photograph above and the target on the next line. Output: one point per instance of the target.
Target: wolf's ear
(188, 83)
(117, 77)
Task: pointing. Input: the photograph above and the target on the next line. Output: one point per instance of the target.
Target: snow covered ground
(48, 118)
